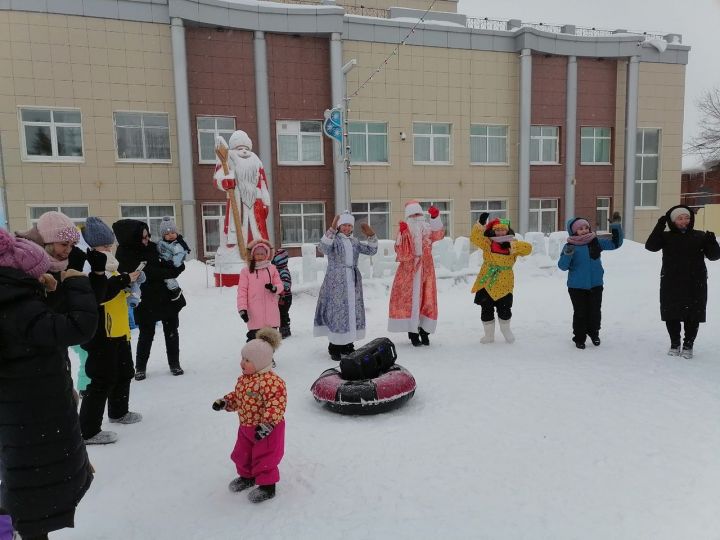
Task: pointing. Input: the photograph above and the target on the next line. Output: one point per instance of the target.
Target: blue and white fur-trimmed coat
(340, 312)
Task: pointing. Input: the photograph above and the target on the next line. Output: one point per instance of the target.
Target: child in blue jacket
(581, 258)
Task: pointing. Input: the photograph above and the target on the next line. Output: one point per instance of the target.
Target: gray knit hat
(167, 225)
(97, 233)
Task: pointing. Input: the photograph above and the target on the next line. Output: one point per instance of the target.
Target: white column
(262, 105)
(524, 147)
(631, 119)
(337, 86)
(570, 137)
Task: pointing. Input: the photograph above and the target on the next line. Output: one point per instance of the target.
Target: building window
(595, 146)
(51, 134)
(544, 144)
(213, 218)
(76, 212)
(151, 214)
(141, 136)
(299, 143)
(376, 213)
(496, 209)
(368, 142)
(543, 215)
(647, 165)
(207, 128)
(602, 214)
(445, 212)
(431, 143)
(301, 222)
(488, 144)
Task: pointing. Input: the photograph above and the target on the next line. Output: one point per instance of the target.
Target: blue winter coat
(584, 272)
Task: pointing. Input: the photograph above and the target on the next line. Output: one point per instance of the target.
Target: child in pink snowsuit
(259, 398)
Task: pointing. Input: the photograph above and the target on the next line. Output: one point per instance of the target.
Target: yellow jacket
(496, 275)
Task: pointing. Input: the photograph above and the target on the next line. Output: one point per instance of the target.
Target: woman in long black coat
(157, 303)
(44, 467)
(683, 277)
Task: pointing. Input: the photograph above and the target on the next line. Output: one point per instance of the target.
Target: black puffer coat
(43, 464)
(157, 302)
(683, 277)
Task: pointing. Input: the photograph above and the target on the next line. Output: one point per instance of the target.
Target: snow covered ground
(534, 440)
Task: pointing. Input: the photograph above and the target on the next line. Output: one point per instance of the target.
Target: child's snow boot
(414, 339)
(241, 483)
(102, 437)
(424, 336)
(262, 493)
(595, 338)
(506, 332)
(127, 418)
(489, 327)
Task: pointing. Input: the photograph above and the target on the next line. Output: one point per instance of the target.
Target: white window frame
(539, 211)
(367, 141)
(602, 224)
(142, 131)
(432, 136)
(302, 215)
(542, 141)
(641, 155)
(207, 218)
(369, 213)
(499, 213)
(299, 134)
(448, 212)
(59, 208)
(215, 131)
(147, 218)
(487, 138)
(593, 140)
(53, 134)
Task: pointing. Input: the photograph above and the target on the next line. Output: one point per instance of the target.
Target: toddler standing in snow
(581, 258)
(259, 399)
(280, 261)
(172, 248)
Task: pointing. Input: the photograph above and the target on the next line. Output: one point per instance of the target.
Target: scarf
(581, 240)
(112, 263)
(262, 264)
(501, 244)
(57, 265)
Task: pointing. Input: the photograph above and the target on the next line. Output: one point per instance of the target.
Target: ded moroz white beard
(246, 172)
(419, 227)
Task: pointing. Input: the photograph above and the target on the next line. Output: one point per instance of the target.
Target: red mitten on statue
(228, 183)
(434, 212)
(403, 227)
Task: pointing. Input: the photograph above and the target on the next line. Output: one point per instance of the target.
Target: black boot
(241, 483)
(347, 349)
(595, 338)
(285, 332)
(424, 337)
(335, 351)
(262, 493)
(414, 339)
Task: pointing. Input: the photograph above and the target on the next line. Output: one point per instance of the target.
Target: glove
(218, 405)
(270, 287)
(434, 212)
(228, 183)
(710, 236)
(77, 259)
(615, 218)
(262, 431)
(244, 315)
(403, 227)
(97, 260)
(568, 249)
(482, 220)
(662, 220)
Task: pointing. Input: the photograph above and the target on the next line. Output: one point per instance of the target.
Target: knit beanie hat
(346, 218)
(167, 225)
(578, 223)
(97, 233)
(679, 212)
(260, 350)
(260, 244)
(57, 227)
(412, 208)
(22, 254)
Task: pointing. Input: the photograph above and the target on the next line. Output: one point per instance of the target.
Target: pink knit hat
(22, 255)
(579, 222)
(260, 350)
(57, 227)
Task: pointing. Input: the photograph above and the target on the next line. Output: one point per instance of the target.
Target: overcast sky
(697, 20)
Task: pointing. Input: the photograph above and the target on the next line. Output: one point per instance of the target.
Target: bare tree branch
(706, 143)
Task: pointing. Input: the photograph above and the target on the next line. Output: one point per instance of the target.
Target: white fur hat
(346, 218)
(239, 138)
(412, 208)
(679, 212)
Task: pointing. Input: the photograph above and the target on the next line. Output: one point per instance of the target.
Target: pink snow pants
(259, 459)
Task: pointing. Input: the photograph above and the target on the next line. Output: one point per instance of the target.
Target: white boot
(489, 328)
(505, 329)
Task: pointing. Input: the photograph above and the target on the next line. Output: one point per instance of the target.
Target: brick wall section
(707, 182)
(597, 82)
(299, 81)
(221, 82)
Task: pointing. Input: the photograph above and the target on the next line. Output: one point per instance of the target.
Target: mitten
(710, 236)
(434, 212)
(262, 431)
(569, 249)
(483, 218)
(244, 315)
(615, 218)
(77, 258)
(97, 260)
(218, 405)
(662, 220)
(403, 227)
(270, 287)
(228, 183)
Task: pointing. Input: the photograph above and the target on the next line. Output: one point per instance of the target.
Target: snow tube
(368, 396)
